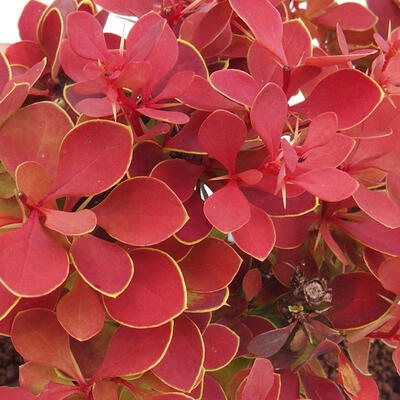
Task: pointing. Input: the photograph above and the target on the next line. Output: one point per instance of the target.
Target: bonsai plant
(203, 208)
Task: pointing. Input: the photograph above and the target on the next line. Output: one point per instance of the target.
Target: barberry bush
(201, 207)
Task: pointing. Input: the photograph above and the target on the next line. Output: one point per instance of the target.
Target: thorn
(390, 100)
(114, 108)
(389, 36)
(317, 240)
(284, 196)
(122, 42)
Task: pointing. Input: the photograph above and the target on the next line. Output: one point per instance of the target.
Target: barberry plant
(204, 206)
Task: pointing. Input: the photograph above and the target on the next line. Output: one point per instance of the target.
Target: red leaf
(33, 180)
(134, 351)
(373, 235)
(236, 85)
(252, 283)
(131, 210)
(105, 390)
(329, 184)
(221, 345)
(33, 263)
(146, 155)
(359, 354)
(164, 53)
(341, 92)
(17, 393)
(34, 133)
(70, 223)
(317, 387)
(94, 107)
(212, 390)
(176, 249)
(155, 295)
(85, 36)
(7, 301)
(176, 86)
(181, 365)
(269, 343)
(127, 7)
(48, 302)
(134, 75)
(93, 157)
(265, 22)
(330, 241)
(198, 227)
(204, 302)
(143, 36)
(37, 336)
(80, 311)
(202, 96)
(259, 381)
(356, 385)
(291, 232)
(396, 359)
(210, 266)
(227, 209)
(257, 236)
(26, 53)
(296, 42)
(172, 117)
(172, 396)
(388, 274)
(378, 206)
(29, 19)
(93, 257)
(211, 25)
(222, 135)
(50, 34)
(268, 116)
(342, 15)
(181, 176)
(356, 300)
(12, 100)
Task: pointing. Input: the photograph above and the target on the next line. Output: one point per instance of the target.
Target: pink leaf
(257, 236)
(134, 351)
(33, 263)
(92, 258)
(329, 184)
(93, 157)
(85, 36)
(222, 135)
(156, 294)
(227, 209)
(259, 381)
(265, 22)
(81, 312)
(70, 223)
(131, 210)
(268, 116)
(341, 92)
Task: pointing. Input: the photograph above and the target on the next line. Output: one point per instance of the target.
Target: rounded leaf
(93, 157)
(181, 365)
(81, 312)
(103, 265)
(141, 211)
(155, 295)
(134, 351)
(210, 266)
(32, 262)
(221, 345)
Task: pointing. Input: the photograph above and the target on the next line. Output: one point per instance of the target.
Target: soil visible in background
(380, 365)
(9, 363)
